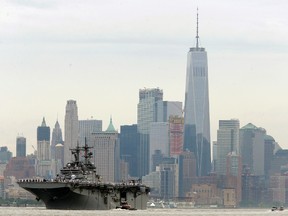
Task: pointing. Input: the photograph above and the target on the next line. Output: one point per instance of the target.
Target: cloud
(43, 4)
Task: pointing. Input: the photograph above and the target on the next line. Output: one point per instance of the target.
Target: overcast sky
(101, 53)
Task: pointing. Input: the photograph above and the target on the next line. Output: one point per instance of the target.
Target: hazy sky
(101, 53)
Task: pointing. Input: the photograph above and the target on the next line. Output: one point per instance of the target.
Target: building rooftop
(111, 128)
(249, 126)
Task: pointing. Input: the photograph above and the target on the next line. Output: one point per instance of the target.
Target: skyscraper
(146, 114)
(20, 146)
(71, 129)
(129, 144)
(106, 153)
(43, 150)
(86, 127)
(227, 142)
(56, 139)
(196, 110)
(176, 124)
(252, 145)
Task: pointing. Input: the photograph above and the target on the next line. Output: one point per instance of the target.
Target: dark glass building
(21, 147)
(129, 145)
(43, 132)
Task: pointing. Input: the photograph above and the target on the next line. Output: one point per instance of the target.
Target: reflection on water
(14, 211)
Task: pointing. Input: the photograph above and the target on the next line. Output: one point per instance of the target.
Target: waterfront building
(43, 150)
(169, 178)
(146, 114)
(227, 142)
(234, 175)
(278, 186)
(253, 188)
(196, 109)
(20, 168)
(229, 198)
(252, 148)
(129, 145)
(71, 129)
(20, 146)
(153, 180)
(187, 172)
(204, 194)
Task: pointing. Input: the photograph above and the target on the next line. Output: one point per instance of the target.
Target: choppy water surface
(9, 211)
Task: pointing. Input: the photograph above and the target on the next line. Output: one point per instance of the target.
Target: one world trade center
(196, 110)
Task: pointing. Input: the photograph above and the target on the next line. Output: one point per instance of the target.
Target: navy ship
(79, 187)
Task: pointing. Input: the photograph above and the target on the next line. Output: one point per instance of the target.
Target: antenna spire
(197, 35)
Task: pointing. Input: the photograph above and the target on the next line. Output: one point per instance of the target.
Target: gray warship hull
(87, 196)
(78, 187)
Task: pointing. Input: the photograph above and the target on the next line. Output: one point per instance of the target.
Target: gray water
(19, 211)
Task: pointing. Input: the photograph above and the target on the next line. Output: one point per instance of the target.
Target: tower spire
(197, 35)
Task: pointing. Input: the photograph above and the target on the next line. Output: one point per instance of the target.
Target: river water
(22, 211)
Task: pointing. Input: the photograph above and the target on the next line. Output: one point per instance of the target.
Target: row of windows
(199, 71)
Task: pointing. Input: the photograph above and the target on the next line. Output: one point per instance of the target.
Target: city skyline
(95, 52)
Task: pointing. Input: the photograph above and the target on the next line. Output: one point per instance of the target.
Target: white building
(71, 129)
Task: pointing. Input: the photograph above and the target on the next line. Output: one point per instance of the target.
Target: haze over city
(101, 53)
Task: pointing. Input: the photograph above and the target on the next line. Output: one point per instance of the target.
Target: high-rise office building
(158, 140)
(196, 110)
(86, 127)
(56, 158)
(56, 139)
(43, 142)
(146, 114)
(165, 109)
(252, 144)
(20, 146)
(106, 153)
(227, 142)
(71, 129)
(129, 144)
(43, 150)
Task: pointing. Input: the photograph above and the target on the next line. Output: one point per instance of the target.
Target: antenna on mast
(197, 35)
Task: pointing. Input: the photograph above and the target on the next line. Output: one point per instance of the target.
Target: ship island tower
(196, 109)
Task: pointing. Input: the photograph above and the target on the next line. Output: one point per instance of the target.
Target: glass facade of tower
(129, 145)
(227, 142)
(146, 114)
(196, 110)
(21, 147)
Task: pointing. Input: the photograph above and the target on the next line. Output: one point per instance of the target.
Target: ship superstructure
(79, 187)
